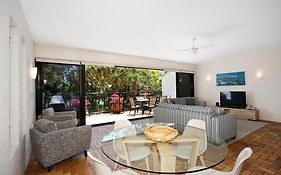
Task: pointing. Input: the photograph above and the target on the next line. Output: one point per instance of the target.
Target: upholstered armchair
(50, 114)
(53, 142)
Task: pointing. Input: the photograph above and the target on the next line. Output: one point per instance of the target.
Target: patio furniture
(152, 103)
(133, 105)
(182, 150)
(242, 157)
(162, 153)
(53, 142)
(101, 168)
(50, 114)
(136, 152)
(143, 103)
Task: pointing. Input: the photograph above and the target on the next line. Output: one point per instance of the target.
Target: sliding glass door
(61, 86)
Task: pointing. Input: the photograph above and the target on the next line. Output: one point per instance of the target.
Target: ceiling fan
(194, 49)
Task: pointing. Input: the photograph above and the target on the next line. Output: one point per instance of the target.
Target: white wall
(14, 162)
(263, 93)
(169, 87)
(56, 52)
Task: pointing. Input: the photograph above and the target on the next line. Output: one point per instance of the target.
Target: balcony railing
(100, 102)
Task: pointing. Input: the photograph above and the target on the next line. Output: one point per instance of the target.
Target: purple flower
(115, 98)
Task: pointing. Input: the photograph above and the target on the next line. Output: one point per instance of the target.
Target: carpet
(245, 127)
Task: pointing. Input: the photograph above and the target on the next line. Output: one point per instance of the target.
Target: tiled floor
(265, 142)
(96, 119)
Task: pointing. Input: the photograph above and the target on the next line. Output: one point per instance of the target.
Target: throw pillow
(67, 124)
(190, 101)
(219, 111)
(45, 126)
(170, 101)
(48, 112)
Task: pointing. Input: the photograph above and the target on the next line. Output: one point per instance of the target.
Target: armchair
(50, 114)
(51, 145)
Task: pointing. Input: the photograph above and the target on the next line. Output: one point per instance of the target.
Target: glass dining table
(129, 146)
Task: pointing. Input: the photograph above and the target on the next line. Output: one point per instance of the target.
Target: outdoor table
(142, 101)
(162, 159)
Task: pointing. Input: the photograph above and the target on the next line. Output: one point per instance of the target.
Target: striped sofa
(220, 127)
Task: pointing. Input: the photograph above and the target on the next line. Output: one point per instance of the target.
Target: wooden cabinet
(244, 113)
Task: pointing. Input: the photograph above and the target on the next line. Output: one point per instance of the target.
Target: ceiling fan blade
(182, 50)
(206, 46)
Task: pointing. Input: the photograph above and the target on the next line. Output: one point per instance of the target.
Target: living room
(239, 36)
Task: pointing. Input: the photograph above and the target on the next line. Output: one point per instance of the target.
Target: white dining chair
(136, 151)
(244, 155)
(183, 151)
(101, 168)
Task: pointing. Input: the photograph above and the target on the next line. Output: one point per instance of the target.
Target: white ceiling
(156, 28)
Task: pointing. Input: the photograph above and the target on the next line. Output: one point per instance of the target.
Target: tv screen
(233, 99)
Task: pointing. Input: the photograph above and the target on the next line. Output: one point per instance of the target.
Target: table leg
(167, 157)
(155, 158)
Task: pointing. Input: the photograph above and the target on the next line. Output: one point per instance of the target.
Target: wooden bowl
(160, 133)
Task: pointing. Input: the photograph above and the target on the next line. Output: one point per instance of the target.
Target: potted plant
(116, 103)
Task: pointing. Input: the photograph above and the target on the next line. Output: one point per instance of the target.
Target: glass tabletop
(131, 148)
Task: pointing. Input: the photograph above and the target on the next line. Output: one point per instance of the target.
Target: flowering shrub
(75, 101)
(116, 98)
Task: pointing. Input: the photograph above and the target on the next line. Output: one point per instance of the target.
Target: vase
(116, 107)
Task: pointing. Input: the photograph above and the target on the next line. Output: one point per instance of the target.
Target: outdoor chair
(152, 103)
(133, 105)
(242, 157)
(101, 168)
(183, 151)
(136, 151)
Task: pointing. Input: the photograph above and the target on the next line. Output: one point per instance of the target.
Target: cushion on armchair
(67, 124)
(48, 112)
(45, 126)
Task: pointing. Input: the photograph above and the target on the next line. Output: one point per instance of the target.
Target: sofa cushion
(180, 100)
(170, 101)
(219, 111)
(45, 126)
(67, 124)
(48, 112)
(191, 101)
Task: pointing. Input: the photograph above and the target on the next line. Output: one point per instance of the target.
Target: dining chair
(152, 103)
(136, 152)
(101, 168)
(183, 151)
(133, 105)
(242, 157)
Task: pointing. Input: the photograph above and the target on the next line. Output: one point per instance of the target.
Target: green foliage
(119, 79)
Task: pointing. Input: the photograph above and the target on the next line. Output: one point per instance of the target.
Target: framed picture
(231, 79)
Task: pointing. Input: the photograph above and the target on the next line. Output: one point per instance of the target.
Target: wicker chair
(133, 105)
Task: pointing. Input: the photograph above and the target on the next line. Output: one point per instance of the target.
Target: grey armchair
(53, 142)
(50, 114)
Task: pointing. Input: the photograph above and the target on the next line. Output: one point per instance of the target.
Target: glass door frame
(39, 91)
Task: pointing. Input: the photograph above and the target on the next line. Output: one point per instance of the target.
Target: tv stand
(250, 114)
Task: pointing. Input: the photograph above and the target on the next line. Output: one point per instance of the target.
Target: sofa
(220, 127)
(53, 142)
(192, 101)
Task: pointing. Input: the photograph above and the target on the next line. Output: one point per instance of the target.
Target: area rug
(245, 127)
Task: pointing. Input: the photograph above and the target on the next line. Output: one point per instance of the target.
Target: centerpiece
(160, 133)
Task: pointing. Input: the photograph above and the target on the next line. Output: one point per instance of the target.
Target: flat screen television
(233, 99)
